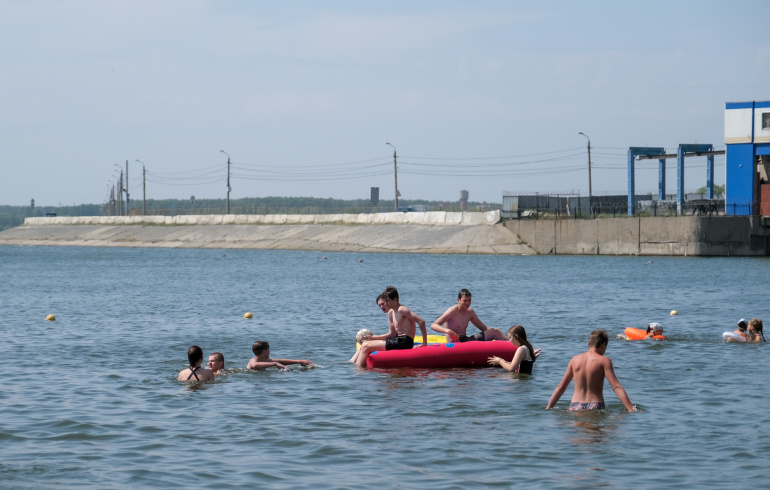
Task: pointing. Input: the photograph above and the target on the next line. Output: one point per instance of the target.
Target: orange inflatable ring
(639, 334)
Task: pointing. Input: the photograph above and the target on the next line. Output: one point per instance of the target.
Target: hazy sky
(487, 96)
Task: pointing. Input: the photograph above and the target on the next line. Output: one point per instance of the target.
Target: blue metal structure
(747, 136)
(634, 152)
(680, 154)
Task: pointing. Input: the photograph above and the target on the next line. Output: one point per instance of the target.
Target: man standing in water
(195, 372)
(402, 325)
(589, 370)
(454, 322)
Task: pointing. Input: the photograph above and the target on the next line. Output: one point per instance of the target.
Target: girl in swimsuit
(525, 355)
(195, 372)
(755, 331)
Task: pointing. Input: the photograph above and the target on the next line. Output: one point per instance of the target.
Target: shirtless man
(216, 363)
(589, 370)
(402, 324)
(263, 361)
(454, 322)
(195, 372)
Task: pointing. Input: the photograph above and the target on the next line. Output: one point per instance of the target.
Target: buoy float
(360, 260)
(50, 318)
(248, 315)
(324, 258)
(674, 312)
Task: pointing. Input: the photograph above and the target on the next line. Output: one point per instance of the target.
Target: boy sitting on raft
(589, 370)
(263, 361)
(454, 322)
(402, 324)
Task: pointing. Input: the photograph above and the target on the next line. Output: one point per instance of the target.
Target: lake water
(91, 400)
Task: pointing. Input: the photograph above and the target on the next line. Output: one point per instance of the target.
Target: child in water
(755, 331)
(654, 329)
(525, 355)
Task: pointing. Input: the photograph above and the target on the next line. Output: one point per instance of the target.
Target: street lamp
(144, 189)
(395, 171)
(228, 180)
(590, 192)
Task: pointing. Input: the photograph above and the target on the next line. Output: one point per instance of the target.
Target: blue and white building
(747, 138)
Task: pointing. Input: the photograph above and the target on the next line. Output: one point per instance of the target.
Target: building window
(766, 120)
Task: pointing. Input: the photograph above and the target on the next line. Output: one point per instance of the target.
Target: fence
(575, 207)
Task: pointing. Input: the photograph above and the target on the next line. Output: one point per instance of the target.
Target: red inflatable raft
(474, 354)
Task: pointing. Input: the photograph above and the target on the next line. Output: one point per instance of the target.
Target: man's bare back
(589, 371)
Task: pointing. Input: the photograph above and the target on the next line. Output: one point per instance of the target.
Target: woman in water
(525, 355)
(755, 331)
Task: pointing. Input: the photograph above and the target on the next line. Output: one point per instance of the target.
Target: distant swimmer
(402, 325)
(756, 333)
(217, 363)
(738, 335)
(589, 370)
(263, 361)
(454, 322)
(195, 372)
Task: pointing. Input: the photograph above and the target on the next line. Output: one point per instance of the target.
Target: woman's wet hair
(518, 332)
(194, 355)
(463, 292)
(598, 338)
(756, 324)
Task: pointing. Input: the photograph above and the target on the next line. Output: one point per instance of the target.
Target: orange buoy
(248, 315)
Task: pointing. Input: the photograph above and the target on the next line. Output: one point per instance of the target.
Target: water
(91, 400)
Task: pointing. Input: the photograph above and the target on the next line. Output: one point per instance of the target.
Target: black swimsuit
(192, 373)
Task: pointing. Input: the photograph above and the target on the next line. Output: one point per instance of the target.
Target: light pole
(590, 192)
(228, 180)
(395, 171)
(144, 189)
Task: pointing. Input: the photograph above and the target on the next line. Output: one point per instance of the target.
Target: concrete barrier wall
(678, 236)
(438, 218)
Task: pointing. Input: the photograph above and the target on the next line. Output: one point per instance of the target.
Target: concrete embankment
(435, 232)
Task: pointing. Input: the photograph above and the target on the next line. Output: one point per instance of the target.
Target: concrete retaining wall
(437, 232)
(679, 236)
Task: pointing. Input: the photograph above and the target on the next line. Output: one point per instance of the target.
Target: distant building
(463, 200)
(747, 158)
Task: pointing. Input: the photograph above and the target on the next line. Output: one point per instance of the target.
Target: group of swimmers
(259, 362)
(751, 332)
(588, 370)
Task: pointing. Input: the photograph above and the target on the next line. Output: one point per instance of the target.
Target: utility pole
(144, 189)
(395, 171)
(228, 180)
(590, 192)
(128, 206)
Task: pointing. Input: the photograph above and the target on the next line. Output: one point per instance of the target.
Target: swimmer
(525, 355)
(454, 322)
(589, 370)
(195, 372)
(216, 363)
(738, 335)
(365, 334)
(263, 361)
(654, 329)
(402, 325)
(756, 333)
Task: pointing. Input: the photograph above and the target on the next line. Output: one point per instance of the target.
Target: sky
(484, 96)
